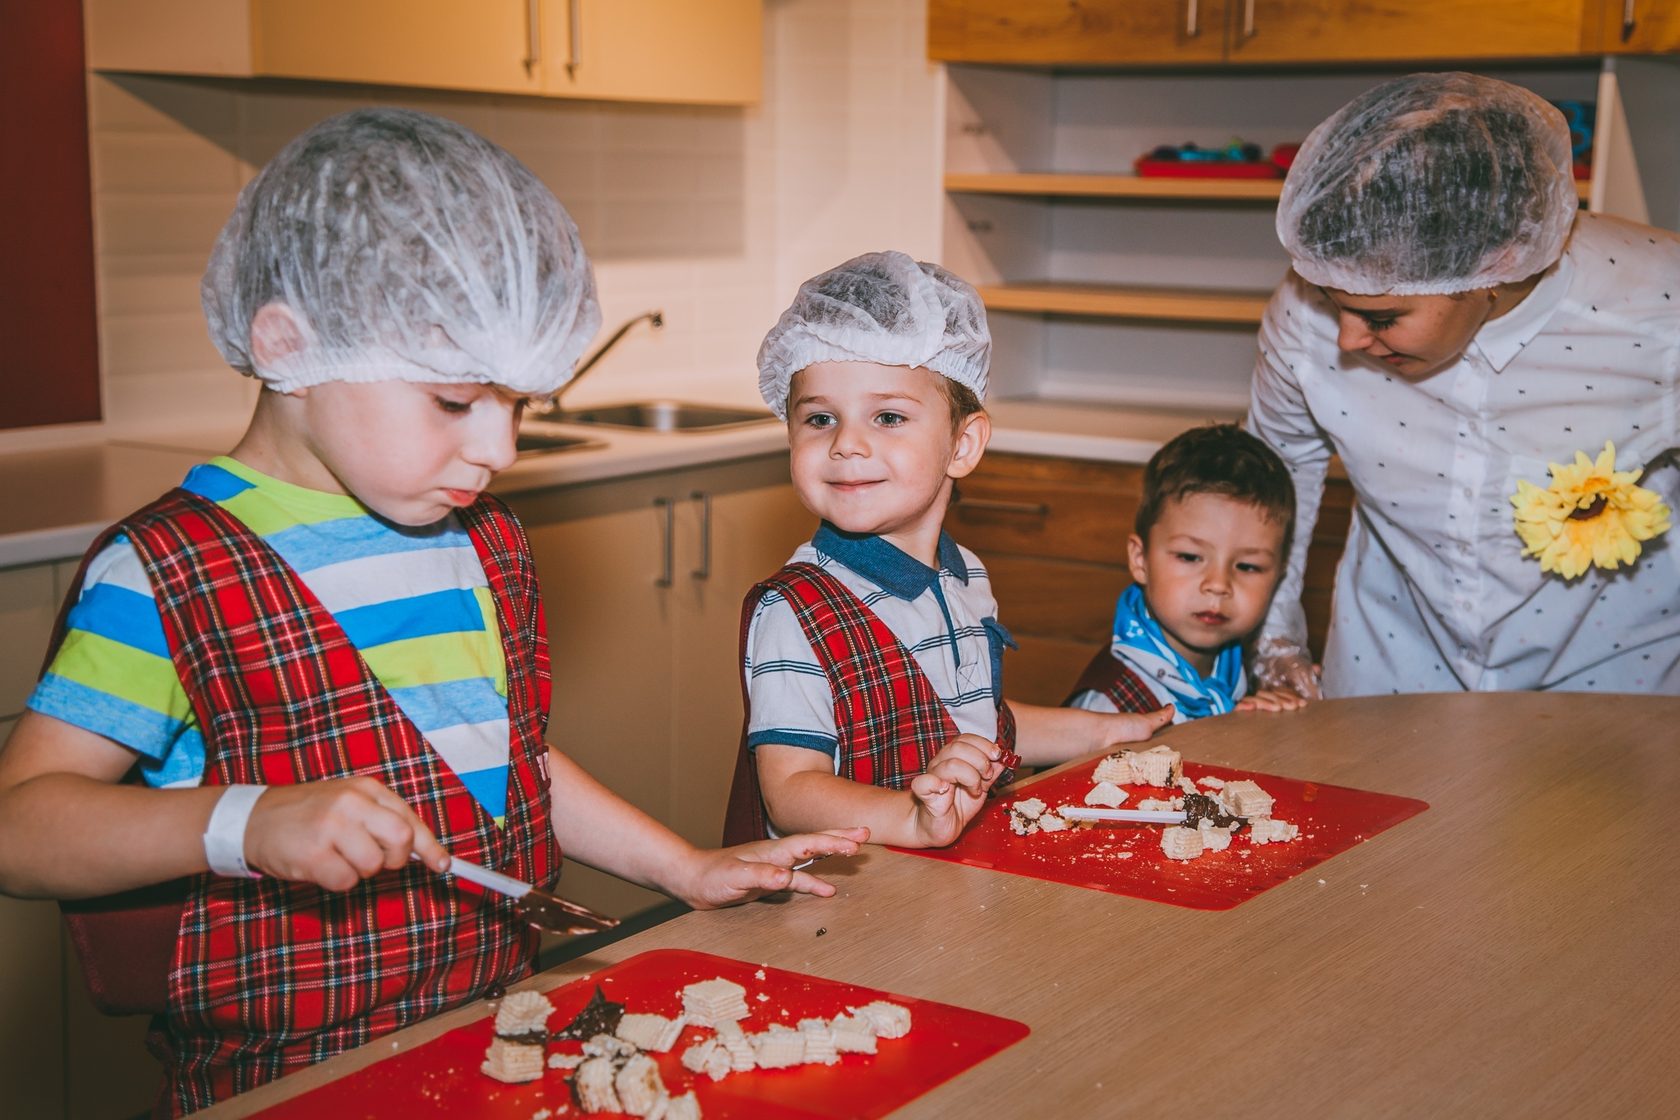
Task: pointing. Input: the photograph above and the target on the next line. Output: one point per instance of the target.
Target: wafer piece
(524, 1014)
(713, 1002)
(566, 1061)
(607, 1046)
(592, 1085)
(1157, 766)
(653, 1033)
(778, 1047)
(819, 1042)
(685, 1107)
(890, 1020)
(1267, 831)
(1051, 821)
(708, 1057)
(1210, 782)
(852, 1034)
(735, 1044)
(1024, 816)
(1181, 843)
(1113, 768)
(1106, 794)
(639, 1086)
(1214, 838)
(1246, 799)
(513, 1062)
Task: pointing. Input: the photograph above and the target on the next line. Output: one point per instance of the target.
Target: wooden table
(1514, 951)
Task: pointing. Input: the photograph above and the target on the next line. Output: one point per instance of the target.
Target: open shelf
(1068, 185)
(1111, 301)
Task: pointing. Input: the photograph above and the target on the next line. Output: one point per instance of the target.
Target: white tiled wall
(712, 215)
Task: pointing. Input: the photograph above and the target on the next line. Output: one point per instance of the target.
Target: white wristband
(224, 836)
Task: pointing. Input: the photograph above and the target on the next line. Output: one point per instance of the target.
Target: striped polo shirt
(945, 617)
(414, 602)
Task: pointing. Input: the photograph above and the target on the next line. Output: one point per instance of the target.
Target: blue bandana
(1139, 642)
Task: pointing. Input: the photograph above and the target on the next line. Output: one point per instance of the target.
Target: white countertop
(55, 500)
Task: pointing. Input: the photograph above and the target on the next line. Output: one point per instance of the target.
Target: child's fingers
(934, 793)
(964, 774)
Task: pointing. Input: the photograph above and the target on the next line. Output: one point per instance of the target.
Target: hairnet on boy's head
(881, 307)
(406, 248)
(1431, 183)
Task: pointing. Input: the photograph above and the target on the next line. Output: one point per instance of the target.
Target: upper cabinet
(1072, 33)
(622, 50)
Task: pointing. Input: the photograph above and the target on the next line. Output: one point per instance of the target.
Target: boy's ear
(1137, 560)
(973, 435)
(275, 333)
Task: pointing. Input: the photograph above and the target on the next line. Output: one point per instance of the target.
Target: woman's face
(1413, 335)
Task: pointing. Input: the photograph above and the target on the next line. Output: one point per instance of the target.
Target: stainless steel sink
(663, 416)
(537, 441)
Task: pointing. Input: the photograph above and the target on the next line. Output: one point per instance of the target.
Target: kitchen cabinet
(1638, 26)
(633, 50)
(1052, 533)
(643, 580)
(1182, 32)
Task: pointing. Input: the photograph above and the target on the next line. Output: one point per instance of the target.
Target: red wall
(49, 348)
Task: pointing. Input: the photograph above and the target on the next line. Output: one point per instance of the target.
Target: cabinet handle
(1248, 19)
(704, 571)
(1629, 19)
(1031, 509)
(1192, 19)
(667, 560)
(533, 36)
(574, 18)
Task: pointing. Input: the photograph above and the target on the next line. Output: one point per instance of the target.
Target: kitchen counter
(1507, 952)
(54, 501)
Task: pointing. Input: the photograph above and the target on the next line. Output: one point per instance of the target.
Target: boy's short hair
(964, 401)
(405, 247)
(1218, 459)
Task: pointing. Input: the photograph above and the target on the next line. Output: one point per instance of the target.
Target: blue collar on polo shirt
(884, 563)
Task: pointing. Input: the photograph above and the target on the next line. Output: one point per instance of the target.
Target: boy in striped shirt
(873, 661)
(321, 664)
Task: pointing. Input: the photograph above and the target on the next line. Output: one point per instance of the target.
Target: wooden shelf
(1122, 187)
(1109, 301)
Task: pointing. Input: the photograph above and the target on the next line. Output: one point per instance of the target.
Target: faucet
(656, 320)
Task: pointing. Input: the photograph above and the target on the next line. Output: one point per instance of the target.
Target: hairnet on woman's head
(1431, 183)
(406, 248)
(881, 307)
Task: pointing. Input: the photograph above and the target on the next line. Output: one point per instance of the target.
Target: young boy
(1212, 537)
(873, 660)
(325, 654)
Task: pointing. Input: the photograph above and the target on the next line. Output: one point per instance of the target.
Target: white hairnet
(1430, 184)
(407, 248)
(884, 308)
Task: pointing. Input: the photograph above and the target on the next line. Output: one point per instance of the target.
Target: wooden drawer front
(1055, 598)
(1043, 670)
(1063, 509)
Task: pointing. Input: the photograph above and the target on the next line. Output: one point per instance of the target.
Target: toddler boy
(324, 656)
(1212, 535)
(873, 661)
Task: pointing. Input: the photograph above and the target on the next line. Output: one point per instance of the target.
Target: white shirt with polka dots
(1433, 593)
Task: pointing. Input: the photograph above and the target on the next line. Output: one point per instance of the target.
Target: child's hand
(1272, 700)
(725, 876)
(1133, 727)
(336, 833)
(953, 788)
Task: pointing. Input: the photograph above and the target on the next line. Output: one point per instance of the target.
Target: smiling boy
(1211, 538)
(873, 660)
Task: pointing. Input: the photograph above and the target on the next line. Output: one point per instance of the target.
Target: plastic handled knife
(544, 910)
(1131, 816)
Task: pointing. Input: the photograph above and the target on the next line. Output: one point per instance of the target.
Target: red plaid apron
(1115, 679)
(269, 976)
(887, 715)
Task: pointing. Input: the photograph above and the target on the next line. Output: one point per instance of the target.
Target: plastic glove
(1281, 664)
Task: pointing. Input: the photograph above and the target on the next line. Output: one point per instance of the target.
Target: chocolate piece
(1199, 807)
(525, 1038)
(597, 1017)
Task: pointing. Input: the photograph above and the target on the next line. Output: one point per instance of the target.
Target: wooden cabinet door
(1377, 30)
(654, 50)
(1637, 26)
(753, 520)
(1055, 32)
(486, 45)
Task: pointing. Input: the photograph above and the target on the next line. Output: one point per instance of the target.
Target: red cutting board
(441, 1078)
(1127, 859)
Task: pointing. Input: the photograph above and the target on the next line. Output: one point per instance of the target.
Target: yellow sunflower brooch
(1591, 514)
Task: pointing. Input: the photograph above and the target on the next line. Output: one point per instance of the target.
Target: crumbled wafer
(890, 1020)
(1210, 782)
(592, 1085)
(1246, 799)
(778, 1047)
(709, 1057)
(1265, 830)
(639, 1086)
(1024, 816)
(735, 1044)
(819, 1042)
(522, 1014)
(1106, 794)
(685, 1107)
(608, 1046)
(713, 1002)
(513, 1062)
(653, 1033)
(1214, 838)
(852, 1034)
(566, 1061)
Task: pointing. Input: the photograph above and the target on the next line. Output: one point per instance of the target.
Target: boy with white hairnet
(872, 662)
(1455, 330)
(322, 661)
